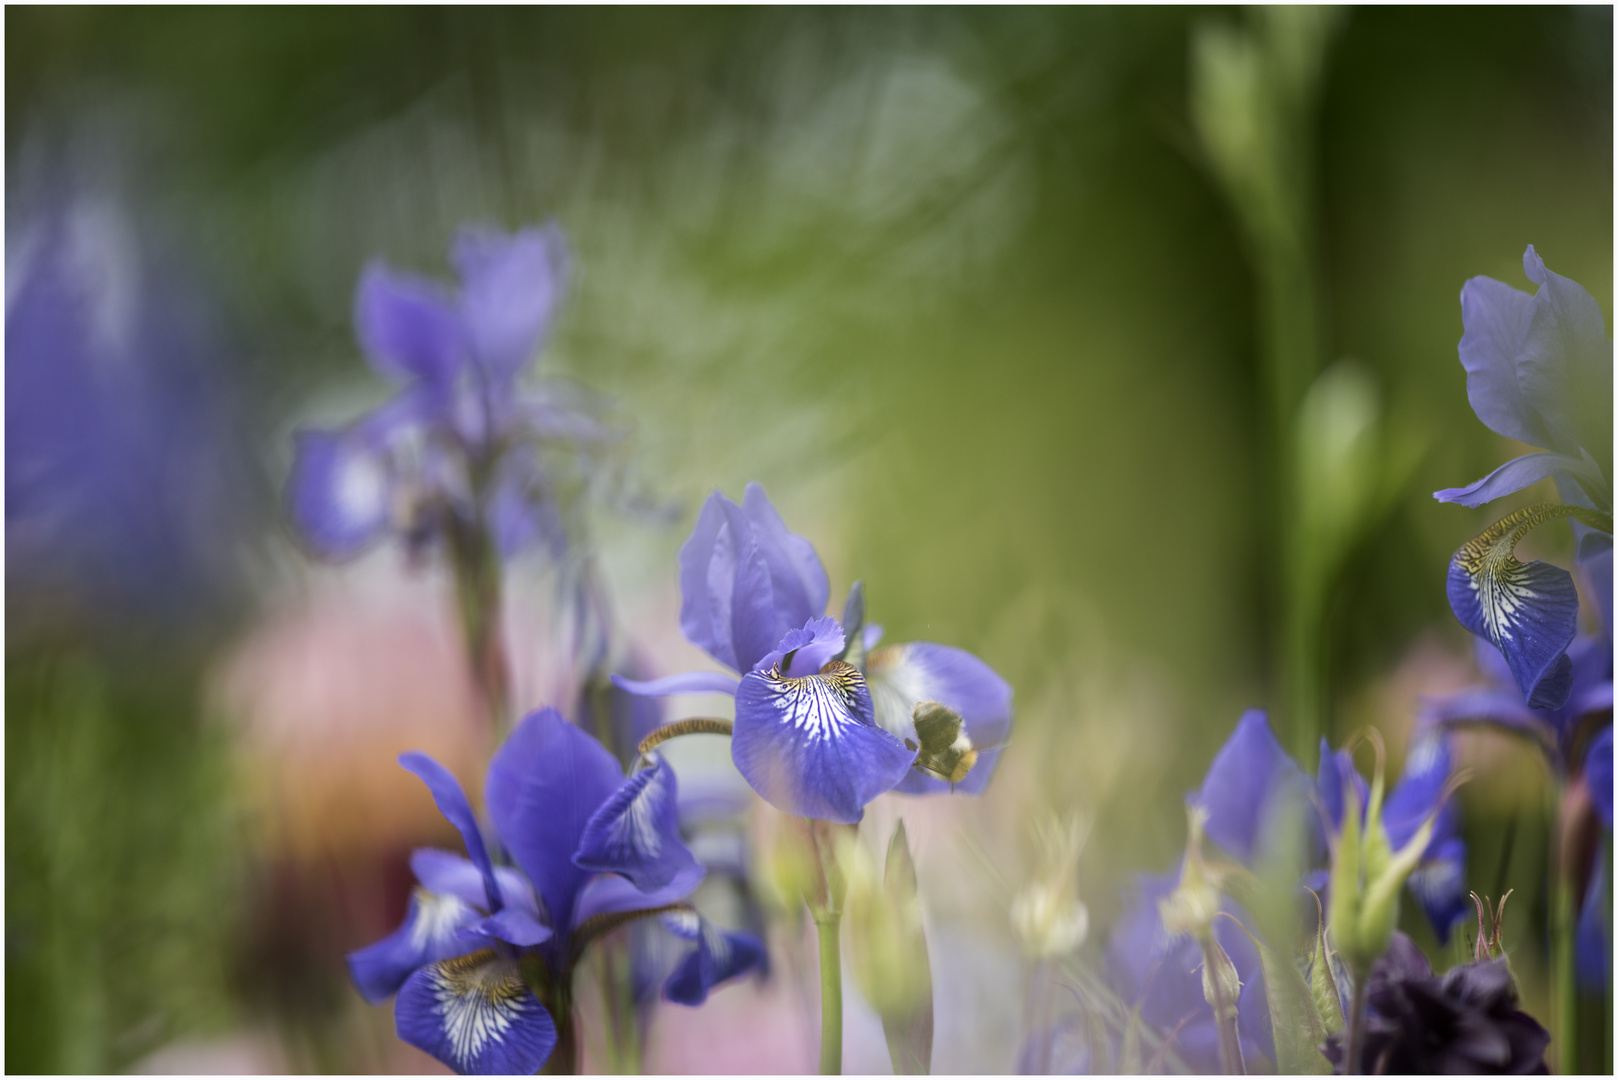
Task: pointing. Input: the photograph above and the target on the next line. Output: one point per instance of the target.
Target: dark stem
(564, 1059)
(477, 587)
(1356, 1026)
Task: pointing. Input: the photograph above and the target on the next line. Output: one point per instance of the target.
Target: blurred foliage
(955, 284)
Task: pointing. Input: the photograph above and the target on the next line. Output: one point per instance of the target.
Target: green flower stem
(1564, 989)
(478, 592)
(1356, 1026)
(831, 992)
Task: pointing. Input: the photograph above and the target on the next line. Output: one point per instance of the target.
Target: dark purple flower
(454, 961)
(815, 735)
(462, 442)
(1468, 1021)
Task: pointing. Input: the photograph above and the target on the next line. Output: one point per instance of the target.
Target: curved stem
(831, 993)
(696, 725)
(1356, 1027)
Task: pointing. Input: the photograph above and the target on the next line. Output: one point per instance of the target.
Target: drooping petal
(510, 285)
(1517, 474)
(475, 1014)
(718, 955)
(1592, 937)
(452, 804)
(544, 784)
(430, 932)
(408, 327)
(512, 925)
(1439, 885)
(810, 747)
(691, 682)
(725, 592)
(902, 676)
(636, 832)
(1496, 319)
(609, 894)
(339, 493)
(1250, 782)
(1529, 611)
(797, 577)
(1598, 774)
(806, 650)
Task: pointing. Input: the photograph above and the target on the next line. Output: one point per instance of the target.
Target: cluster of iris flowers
(463, 460)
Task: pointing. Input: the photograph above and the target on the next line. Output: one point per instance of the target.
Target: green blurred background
(956, 285)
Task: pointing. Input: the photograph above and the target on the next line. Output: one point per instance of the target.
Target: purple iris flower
(1539, 370)
(815, 735)
(462, 443)
(455, 961)
(1253, 782)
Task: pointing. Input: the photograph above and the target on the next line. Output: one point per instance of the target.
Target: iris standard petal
(1249, 783)
(725, 584)
(475, 1014)
(806, 650)
(691, 682)
(1529, 611)
(408, 327)
(608, 894)
(1598, 774)
(544, 784)
(510, 285)
(758, 617)
(513, 926)
(430, 932)
(1517, 474)
(1565, 365)
(636, 832)
(797, 578)
(339, 493)
(717, 955)
(809, 746)
(452, 804)
(902, 676)
(1496, 319)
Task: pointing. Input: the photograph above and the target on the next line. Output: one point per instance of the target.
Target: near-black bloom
(1465, 1022)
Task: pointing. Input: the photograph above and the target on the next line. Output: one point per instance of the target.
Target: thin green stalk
(1564, 989)
(1356, 1026)
(827, 924)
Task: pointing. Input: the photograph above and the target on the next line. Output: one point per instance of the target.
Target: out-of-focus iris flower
(1576, 741)
(1538, 369)
(123, 484)
(474, 928)
(458, 451)
(815, 735)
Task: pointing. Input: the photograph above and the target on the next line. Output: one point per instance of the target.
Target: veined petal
(430, 932)
(544, 784)
(340, 492)
(636, 832)
(1496, 318)
(1439, 885)
(902, 676)
(452, 804)
(608, 894)
(408, 327)
(692, 682)
(1565, 366)
(510, 285)
(1250, 781)
(475, 1014)
(809, 746)
(724, 581)
(1527, 611)
(1517, 474)
(719, 955)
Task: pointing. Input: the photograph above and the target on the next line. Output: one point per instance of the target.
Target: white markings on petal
(360, 487)
(820, 706)
(438, 917)
(897, 683)
(479, 997)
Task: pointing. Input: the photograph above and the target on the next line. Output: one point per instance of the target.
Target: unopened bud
(887, 947)
(1191, 907)
(1047, 914)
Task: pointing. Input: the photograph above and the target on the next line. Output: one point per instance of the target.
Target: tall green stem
(1356, 1026)
(827, 925)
